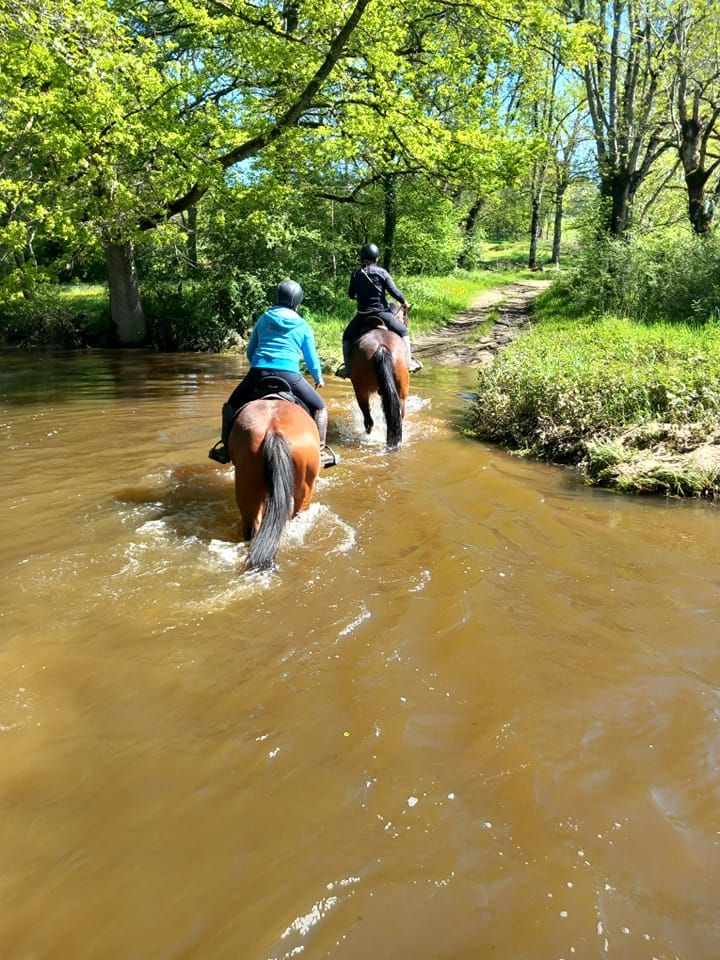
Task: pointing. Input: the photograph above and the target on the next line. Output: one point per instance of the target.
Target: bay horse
(378, 364)
(275, 449)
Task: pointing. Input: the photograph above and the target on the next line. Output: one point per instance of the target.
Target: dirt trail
(469, 339)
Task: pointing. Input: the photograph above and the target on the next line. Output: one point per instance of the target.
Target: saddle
(366, 321)
(272, 387)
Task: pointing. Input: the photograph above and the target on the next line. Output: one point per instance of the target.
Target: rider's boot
(413, 364)
(327, 456)
(343, 371)
(220, 452)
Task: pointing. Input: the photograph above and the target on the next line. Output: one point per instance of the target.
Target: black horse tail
(385, 373)
(278, 471)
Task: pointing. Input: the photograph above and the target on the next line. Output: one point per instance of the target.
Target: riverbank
(633, 407)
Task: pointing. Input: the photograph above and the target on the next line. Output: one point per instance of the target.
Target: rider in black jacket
(369, 286)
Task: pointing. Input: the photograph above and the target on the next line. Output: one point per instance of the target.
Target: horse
(275, 448)
(378, 364)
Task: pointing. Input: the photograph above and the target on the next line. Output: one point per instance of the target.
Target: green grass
(88, 300)
(514, 253)
(570, 387)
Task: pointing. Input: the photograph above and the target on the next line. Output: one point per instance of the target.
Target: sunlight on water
(339, 893)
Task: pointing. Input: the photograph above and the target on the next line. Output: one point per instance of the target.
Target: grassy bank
(635, 406)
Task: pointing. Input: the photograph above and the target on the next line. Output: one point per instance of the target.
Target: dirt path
(494, 319)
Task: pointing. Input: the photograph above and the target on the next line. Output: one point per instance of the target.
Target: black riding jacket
(368, 286)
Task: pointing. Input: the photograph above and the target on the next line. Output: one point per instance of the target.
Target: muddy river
(474, 714)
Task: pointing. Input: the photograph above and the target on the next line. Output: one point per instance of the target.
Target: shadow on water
(190, 500)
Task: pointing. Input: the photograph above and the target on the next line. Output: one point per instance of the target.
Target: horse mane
(278, 471)
(384, 370)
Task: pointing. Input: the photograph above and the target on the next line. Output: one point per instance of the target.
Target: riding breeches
(362, 322)
(244, 392)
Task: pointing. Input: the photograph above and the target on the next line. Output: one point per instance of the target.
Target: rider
(278, 339)
(368, 286)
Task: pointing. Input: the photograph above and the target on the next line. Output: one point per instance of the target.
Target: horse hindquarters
(275, 448)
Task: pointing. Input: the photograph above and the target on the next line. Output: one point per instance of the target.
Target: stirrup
(414, 365)
(342, 372)
(328, 457)
(219, 453)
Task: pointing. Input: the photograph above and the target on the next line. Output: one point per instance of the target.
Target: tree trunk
(557, 227)
(534, 233)
(390, 210)
(468, 232)
(126, 310)
(616, 190)
(700, 209)
(192, 253)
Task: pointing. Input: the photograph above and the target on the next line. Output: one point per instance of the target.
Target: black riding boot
(327, 456)
(220, 452)
(344, 370)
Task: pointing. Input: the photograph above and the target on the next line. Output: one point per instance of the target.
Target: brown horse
(378, 364)
(275, 449)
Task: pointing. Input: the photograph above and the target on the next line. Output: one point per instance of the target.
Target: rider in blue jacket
(369, 286)
(278, 340)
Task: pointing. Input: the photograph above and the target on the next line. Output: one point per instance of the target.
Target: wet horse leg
(363, 399)
(250, 505)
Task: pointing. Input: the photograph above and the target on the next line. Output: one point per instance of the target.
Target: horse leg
(364, 404)
(250, 507)
(367, 419)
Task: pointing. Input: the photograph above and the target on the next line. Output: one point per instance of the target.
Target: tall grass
(572, 380)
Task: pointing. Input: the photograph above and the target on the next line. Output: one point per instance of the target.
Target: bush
(71, 316)
(673, 276)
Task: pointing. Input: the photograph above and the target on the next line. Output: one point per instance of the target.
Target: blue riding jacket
(279, 338)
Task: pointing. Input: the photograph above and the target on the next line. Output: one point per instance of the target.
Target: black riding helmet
(288, 293)
(369, 253)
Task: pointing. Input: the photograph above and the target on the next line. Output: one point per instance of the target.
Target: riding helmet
(288, 293)
(369, 253)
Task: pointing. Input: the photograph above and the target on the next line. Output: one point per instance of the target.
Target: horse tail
(387, 388)
(278, 472)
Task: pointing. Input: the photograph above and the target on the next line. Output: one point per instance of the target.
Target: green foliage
(69, 316)
(115, 115)
(671, 276)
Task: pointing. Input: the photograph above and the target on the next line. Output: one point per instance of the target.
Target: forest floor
(494, 319)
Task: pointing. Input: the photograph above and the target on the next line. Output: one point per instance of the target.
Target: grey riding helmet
(288, 293)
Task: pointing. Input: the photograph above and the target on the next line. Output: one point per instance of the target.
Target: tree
(631, 46)
(122, 116)
(695, 101)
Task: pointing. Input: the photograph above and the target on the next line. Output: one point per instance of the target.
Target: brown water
(476, 712)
